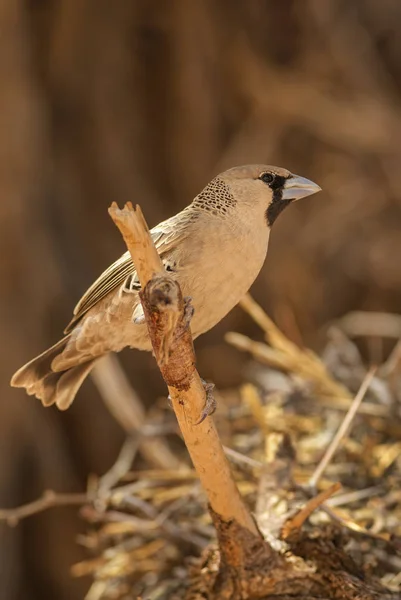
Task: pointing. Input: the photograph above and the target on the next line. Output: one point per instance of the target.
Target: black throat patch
(278, 204)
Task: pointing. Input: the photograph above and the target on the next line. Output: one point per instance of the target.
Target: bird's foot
(210, 404)
(138, 316)
(188, 311)
(170, 402)
(185, 322)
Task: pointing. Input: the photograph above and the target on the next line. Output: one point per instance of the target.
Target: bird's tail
(52, 387)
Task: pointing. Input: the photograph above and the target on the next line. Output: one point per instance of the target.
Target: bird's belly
(215, 282)
(212, 299)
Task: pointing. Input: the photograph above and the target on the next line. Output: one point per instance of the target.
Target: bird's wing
(165, 236)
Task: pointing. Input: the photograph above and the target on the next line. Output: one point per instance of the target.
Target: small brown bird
(215, 249)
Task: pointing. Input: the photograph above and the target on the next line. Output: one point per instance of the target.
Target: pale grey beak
(297, 187)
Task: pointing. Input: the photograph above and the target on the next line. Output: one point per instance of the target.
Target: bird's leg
(185, 322)
(138, 316)
(210, 404)
(188, 311)
(132, 286)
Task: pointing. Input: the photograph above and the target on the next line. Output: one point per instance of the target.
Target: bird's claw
(170, 402)
(210, 404)
(188, 311)
(185, 323)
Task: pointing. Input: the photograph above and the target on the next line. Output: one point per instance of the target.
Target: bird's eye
(267, 178)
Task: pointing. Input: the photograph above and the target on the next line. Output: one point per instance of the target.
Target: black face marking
(277, 204)
(278, 182)
(275, 208)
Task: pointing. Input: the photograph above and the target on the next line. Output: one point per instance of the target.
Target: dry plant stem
(49, 499)
(296, 522)
(242, 459)
(273, 334)
(117, 394)
(302, 363)
(163, 307)
(355, 496)
(120, 468)
(343, 429)
(345, 521)
(127, 409)
(283, 353)
(100, 491)
(378, 324)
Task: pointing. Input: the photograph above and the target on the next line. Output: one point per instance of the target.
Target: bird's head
(266, 188)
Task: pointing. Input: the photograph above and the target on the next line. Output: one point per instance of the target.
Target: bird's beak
(297, 187)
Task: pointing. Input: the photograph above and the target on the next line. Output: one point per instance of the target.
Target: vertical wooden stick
(167, 316)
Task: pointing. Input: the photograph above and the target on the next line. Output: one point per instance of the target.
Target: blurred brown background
(146, 101)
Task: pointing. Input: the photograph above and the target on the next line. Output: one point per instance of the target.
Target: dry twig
(127, 409)
(343, 429)
(296, 522)
(49, 499)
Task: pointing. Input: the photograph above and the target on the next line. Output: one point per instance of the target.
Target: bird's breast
(219, 276)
